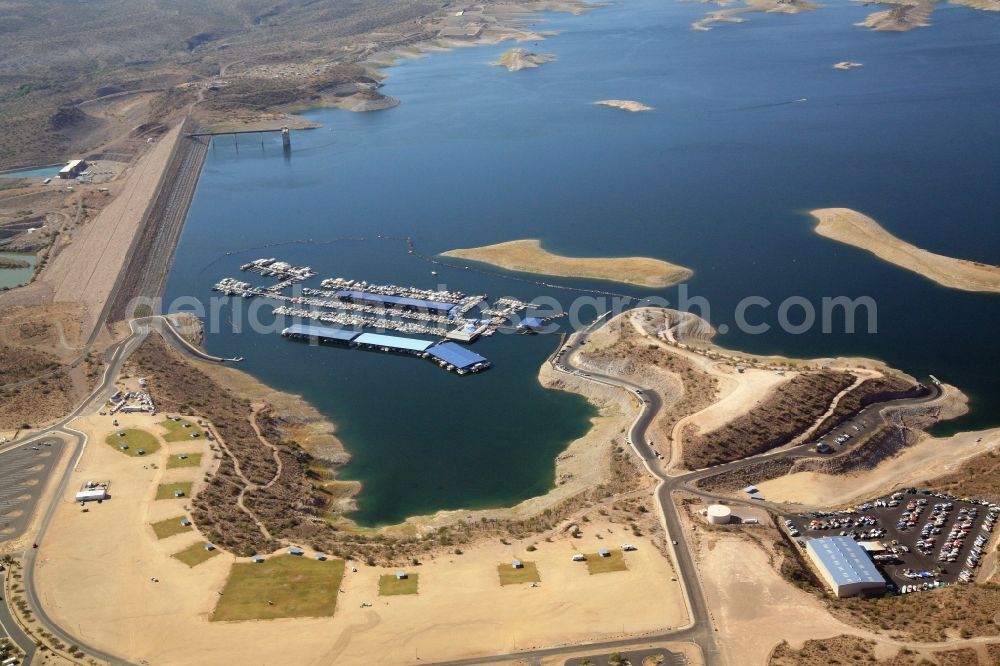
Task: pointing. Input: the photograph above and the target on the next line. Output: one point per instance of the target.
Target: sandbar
(517, 59)
(624, 105)
(854, 228)
(527, 256)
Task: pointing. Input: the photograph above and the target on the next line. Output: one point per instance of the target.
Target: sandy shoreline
(528, 256)
(854, 228)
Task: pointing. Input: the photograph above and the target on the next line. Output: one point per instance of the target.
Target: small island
(528, 256)
(854, 228)
(624, 104)
(846, 65)
(517, 59)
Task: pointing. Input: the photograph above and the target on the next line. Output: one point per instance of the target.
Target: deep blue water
(718, 178)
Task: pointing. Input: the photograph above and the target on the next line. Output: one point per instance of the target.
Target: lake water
(15, 277)
(716, 178)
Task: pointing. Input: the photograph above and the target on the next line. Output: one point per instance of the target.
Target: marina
(451, 314)
(448, 355)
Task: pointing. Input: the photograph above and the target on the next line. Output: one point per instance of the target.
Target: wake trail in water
(771, 105)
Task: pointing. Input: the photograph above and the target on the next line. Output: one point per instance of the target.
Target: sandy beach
(528, 256)
(854, 228)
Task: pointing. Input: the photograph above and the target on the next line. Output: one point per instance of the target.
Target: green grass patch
(166, 491)
(135, 439)
(176, 432)
(192, 460)
(283, 586)
(613, 562)
(389, 585)
(511, 576)
(195, 554)
(170, 527)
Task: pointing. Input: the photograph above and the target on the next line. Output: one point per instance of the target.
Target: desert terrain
(853, 228)
(528, 256)
(111, 553)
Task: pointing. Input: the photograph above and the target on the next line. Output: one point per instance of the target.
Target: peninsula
(854, 228)
(528, 256)
(517, 59)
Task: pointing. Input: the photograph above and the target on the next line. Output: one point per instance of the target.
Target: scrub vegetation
(294, 502)
(855, 650)
(788, 412)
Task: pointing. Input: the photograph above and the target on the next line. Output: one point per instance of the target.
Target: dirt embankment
(790, 410)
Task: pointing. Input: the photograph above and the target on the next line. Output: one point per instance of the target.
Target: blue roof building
(393, 342)
(457, 355)
(319, 333)
(844, 565)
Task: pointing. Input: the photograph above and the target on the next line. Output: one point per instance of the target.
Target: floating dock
(448, 355)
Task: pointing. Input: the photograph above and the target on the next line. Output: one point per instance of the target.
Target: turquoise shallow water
(35, 172)
(716, 178)
(15, 277)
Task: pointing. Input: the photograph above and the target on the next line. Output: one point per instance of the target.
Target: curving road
(699, 629)
(115, 357)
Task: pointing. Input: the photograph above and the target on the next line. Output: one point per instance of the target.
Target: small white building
(73, 169)
(93, 491)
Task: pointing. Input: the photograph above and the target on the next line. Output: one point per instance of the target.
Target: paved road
(699, 630)
(114, 359)
(10, 628)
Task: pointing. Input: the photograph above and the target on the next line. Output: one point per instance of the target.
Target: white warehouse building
(844, 565)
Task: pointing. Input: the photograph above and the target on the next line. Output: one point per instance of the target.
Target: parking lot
(24, 472)
(921, 539)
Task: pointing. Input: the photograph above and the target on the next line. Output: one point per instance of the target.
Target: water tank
(719, 514)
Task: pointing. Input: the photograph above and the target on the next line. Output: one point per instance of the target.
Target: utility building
(845, 566)
(73, 169)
